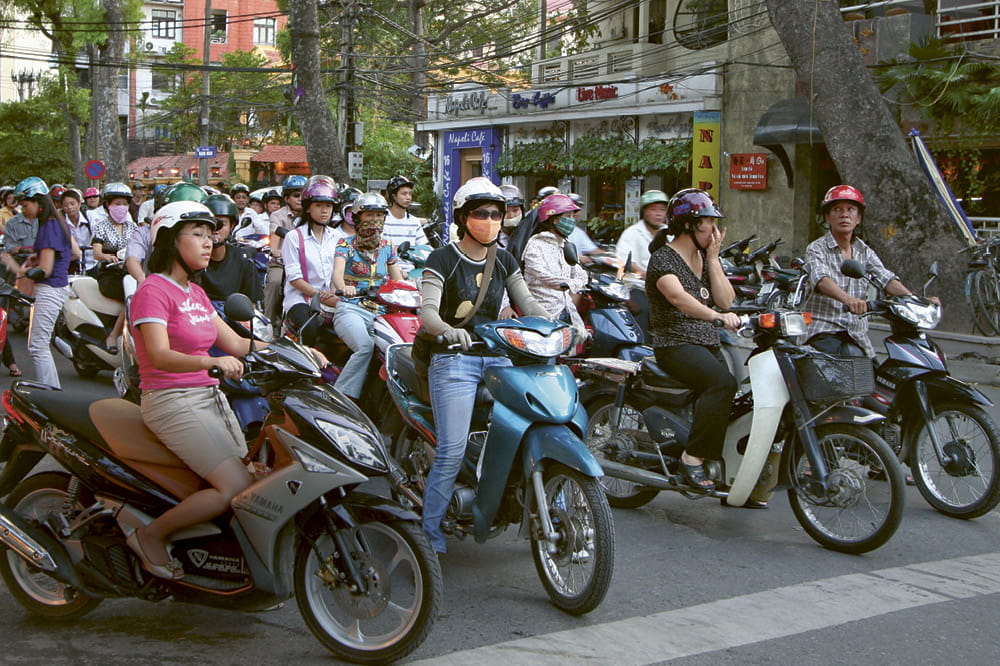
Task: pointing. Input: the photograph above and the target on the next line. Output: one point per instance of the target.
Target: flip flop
(695, 476)
(15, 371)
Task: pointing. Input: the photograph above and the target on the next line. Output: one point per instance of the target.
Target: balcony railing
(960, 20)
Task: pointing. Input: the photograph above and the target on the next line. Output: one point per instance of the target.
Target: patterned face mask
(565, 226)
(368, 234)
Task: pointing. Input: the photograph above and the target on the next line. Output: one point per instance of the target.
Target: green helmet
(222, 206)
(651, 197)
(179, 192)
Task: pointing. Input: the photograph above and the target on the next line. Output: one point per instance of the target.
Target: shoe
(172, 570)
(14, 371)
(695, 477)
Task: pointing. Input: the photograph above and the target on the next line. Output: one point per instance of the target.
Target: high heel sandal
(172, 570)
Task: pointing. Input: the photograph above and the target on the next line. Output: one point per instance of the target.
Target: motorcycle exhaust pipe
(640, 476)
(16, 535)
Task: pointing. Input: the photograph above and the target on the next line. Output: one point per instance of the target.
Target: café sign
(473, 102)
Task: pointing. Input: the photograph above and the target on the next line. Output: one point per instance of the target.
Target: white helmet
(370, 201)
(112, 190)
(479, 188)
(175, 213)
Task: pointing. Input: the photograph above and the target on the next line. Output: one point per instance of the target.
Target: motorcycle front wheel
(968, 485)
(863, 503)
(576, 565)
(608, 432)
(393, 616)
(40, 594)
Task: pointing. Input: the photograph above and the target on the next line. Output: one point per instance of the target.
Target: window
(551, 73)
(162, 81)
(585, 68)
(164, 23)
(219, 20)
(264, 31)
(123, 79)
(699, 24)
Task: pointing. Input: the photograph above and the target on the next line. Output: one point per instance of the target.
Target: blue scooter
(525, 462)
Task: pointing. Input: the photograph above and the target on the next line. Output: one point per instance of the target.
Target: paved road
(694, 582)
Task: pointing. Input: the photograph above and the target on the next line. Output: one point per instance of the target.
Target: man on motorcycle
(836, 300)
(400, 225)
(451, 283)
(230, 271)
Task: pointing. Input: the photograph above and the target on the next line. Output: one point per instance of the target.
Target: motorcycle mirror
(238, 307)
(35, 274)
(798, 262)
(853, 268)
(932, 274)
(403, 247)
(570, 254)
(280, 232)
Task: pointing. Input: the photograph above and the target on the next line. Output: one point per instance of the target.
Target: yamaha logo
(198, 557)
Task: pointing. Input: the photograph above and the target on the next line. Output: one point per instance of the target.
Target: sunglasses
(486, 214)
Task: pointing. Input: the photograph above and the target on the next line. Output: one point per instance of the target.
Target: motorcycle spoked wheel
(577, 575)
(603, 434)
(398, 610)
(40, 594)
(868, 490)
(969, 486)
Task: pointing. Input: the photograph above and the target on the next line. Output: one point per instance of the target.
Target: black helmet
(223, 206)
(238, 187)
(394, 184)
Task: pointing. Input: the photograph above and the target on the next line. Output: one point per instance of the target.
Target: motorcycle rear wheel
(576, 577)
(970, 486)
(603, 429)
(40, 594)
(869, 490)
(397, 612)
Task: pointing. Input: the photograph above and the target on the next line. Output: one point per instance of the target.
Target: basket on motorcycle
(826, 378)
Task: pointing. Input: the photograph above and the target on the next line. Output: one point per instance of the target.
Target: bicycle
(982, 286)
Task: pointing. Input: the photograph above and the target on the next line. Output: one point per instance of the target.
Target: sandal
(172, 570)
(14, 371)
(695, 477)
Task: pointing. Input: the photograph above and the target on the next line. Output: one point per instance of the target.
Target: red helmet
(555, 204)
(91, 192)
(842, 193)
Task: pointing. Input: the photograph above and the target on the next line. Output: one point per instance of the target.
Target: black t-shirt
(235, 273)
(462, 276)
(668, 326)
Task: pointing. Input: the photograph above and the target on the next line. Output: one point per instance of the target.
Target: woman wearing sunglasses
(450, 285)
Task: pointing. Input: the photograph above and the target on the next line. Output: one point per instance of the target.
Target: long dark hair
(659, 240)
(48, 211)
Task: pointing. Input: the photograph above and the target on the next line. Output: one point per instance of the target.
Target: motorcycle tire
(601, 431)
(868, 490)
(41, 595)
(969, 487)
(397, 612)
(577, 575)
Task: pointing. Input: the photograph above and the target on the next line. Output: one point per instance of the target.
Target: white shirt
(635, 239)
(584, 244)
(319, 262)
(259, 224)
(406, 228)
(84, 237)
(145, 210)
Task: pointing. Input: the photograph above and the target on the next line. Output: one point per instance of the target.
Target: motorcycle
(9, 295)
(416, 255)
(936, 423)
(366, 581)
(792, 429)
(525, 463)
(613, 329)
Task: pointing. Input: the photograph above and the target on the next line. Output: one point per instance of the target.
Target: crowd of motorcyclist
(328, 243)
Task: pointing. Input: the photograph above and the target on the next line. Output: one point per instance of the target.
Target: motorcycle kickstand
(551, 536)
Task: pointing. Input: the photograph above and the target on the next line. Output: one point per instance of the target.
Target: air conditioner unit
(149, 46)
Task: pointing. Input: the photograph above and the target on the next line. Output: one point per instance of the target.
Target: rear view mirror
(853, 268)
(570, 254)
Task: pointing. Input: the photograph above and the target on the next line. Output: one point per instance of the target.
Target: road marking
(751, 618)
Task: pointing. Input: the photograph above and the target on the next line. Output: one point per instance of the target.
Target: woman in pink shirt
(174, 325)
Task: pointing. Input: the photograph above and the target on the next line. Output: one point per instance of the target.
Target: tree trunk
(109, 133)
(319, 133)
(904, 221)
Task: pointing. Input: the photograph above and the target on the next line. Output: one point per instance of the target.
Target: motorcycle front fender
(366, 508)
(946, 387)
(558, 444)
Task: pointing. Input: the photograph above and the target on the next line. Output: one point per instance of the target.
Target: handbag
(109, 282)
(425, 342)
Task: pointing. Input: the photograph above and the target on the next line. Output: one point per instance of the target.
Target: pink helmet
(91, 192)
(842, 193)
(555, 204)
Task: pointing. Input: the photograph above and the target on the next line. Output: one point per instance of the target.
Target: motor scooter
(936, 423)
(793, 429)
(366, 581)
(525, 463)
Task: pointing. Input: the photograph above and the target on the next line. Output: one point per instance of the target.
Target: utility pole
(205, 89)
(345, 105)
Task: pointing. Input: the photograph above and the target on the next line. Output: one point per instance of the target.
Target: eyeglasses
(200, 235)
(486, 214)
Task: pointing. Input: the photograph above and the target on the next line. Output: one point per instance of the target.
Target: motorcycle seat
(653, 375)
(87, 290)
(120, 423)
(69, 411)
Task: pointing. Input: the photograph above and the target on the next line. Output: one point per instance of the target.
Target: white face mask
(512, 222)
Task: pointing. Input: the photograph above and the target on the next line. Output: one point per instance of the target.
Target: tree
(33, 137)
(319, 134)
(111, 53)
(905, 222)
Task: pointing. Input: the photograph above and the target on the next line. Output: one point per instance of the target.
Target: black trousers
(836, 344)
(704, 369)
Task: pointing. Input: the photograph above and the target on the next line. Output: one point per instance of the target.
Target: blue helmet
(293, 184)
(30, 187)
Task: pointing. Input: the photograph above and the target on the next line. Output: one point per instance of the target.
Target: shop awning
(788, 121)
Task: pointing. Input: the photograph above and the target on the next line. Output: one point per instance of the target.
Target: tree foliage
(33, 137)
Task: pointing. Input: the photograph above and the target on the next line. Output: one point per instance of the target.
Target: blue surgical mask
(565, 226)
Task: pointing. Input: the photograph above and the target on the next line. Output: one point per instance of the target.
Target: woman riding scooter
(452, 279)
(174, 325)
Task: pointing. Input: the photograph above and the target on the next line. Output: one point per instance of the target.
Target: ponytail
(659, 240)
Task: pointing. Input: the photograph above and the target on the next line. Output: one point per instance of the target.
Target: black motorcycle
(936, 423)
(366, 580)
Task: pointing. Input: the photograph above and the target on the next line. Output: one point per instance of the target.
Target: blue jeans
(49, 303)
(356, 327)
(454, 380)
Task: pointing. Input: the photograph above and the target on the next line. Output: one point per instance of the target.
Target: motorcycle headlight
(354, 445)
(536, 344)
(921, 315)
(406, 298)
(614, 290)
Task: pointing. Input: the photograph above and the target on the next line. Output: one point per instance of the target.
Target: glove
(580, 335)
(458, 336)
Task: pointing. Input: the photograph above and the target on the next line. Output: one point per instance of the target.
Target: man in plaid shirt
(836, 329)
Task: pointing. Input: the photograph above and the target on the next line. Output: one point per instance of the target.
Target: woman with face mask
(362, 261)
(111, 232)
(450, 286)
(550, 278)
